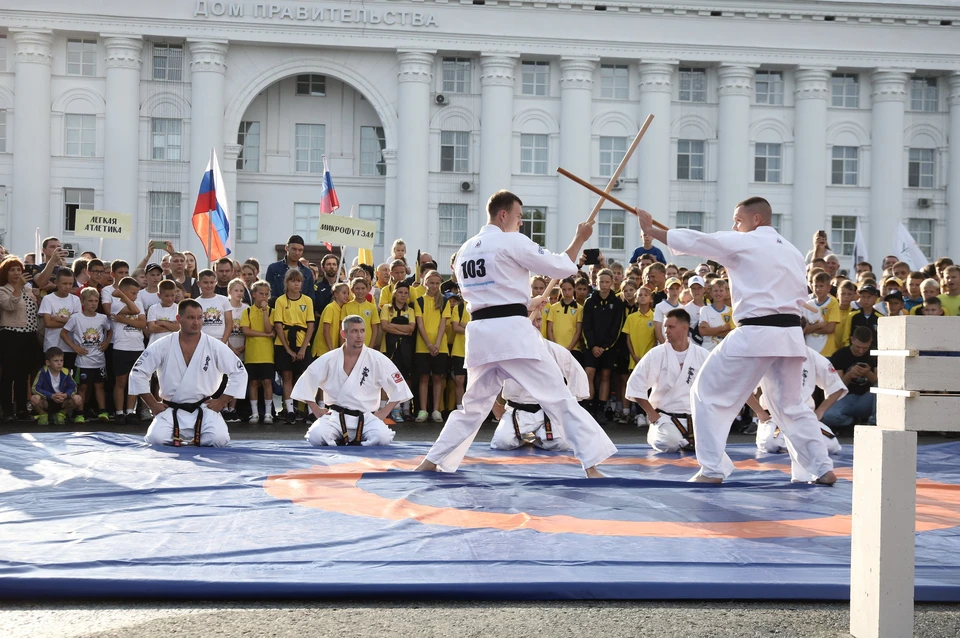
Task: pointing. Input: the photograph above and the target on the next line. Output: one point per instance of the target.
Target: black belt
(343, 423)
(292, 332)
(776, 321)
(685, 430)
(499, 312)
(532, 408)
(188, 407)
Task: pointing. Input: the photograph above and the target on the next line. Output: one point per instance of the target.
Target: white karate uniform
(817, 371)
(766, 278)
(360, 391)
(182, 383)
(494, 269)
(532, 425)
(661, 370)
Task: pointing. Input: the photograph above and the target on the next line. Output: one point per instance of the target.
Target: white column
(31, 141)
(120, 153)
(953, 167)
(496, 125)
(809, 148)
(654, 151)
(207, 68)
(576, 113)
(392, 224)
(413, 146)
(733, 138)
(886, 159)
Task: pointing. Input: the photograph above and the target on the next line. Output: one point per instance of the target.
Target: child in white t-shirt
(129, 321)
(88, 334)
(673, 286)
(217, 313)
(716, 320)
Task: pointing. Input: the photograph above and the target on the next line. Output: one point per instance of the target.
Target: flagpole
(213, 178)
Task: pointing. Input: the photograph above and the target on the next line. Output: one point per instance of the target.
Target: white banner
(347, 231)
(906, 249)
(97, 223)
(859, 246)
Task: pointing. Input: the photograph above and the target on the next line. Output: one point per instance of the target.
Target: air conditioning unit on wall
(924, 202)
(466, 187)
(441, 99)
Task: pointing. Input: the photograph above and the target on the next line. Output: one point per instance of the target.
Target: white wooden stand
(919, 390)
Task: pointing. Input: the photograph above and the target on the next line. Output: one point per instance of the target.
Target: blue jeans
(851, 410)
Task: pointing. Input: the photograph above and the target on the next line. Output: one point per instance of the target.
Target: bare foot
(593, 472)
(700, 478)
(426, 466)
(827, 479)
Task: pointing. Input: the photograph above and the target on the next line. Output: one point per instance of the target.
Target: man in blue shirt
(276, 271)
(647, 249)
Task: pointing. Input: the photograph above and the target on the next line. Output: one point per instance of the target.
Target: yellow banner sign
(347, 231)
(98, 223)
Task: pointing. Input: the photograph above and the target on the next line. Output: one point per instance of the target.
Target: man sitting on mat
(351, 378)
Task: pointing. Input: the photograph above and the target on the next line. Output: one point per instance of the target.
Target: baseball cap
(870, 289)
(893, 280)
(896, 294)
(696, 279)
(153, 266)
(672, 281)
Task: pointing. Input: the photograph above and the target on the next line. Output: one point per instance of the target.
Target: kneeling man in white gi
(522, 419)
(190, 366)
(351, 378)
(817, 371)
(670, 370)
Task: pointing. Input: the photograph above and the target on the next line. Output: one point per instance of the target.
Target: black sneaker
(118, 419)
(131, 418)
(231, 416)
(291, 418)
(311, 417)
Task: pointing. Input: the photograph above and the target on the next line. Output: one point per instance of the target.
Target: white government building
(833, 110)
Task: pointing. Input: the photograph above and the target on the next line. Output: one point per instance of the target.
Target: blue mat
(104, 515)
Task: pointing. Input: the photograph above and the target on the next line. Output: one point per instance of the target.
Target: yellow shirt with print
(425, 307)
(293, 312)
(544, 318)
(830, 311)
(458, 340)
(565, 321)
(258, 349)
(387, 315)
(367, 310)
(330, 315)
(641, 332)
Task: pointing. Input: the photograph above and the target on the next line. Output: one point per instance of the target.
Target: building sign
(346, 231)
(97, 223)
(293, 13)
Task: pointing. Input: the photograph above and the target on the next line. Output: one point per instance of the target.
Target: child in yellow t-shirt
(367, 310)
(640, 335)
(459, 318)
(294, 323)
(329, 337)
(565, 321)
(432, 312)
(258, 329)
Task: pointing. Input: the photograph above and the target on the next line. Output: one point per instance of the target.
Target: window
(453, 224)
(776, 220)
(535, 224)
(82, 57)
(615, 81)
(845, 90)
(766, 163)
(3, 131)
(454, 152)
(247, 222)
(376, 214)
(536, 78)
(75, 199)
(923, 94)
(612, 150)
(166, 139)
(920, 171)
(456, 75)
(769, 87)
(690, 159)
(372, 143)
(306, 219)
(693, 85)
(248, 137)
(922, 231)
(610, 229)
(533, 154)
(311, 139)
(168, 62)
(164, 215)
(845, 165)
(81, 135)
(690, 219)
(315, 85)
(843, 234)
(3, 53)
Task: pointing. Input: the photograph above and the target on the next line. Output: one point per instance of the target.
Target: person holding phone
(858, 370)
(820, 248)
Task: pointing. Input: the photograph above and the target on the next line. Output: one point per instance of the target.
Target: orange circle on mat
(334, 489)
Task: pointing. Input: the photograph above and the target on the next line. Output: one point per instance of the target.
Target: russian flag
(328, 194)
(211, 215)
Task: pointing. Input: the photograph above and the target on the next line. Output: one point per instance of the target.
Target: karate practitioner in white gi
(494, 269)
(190, 366)
(768, 288)
(817, 372)
(351, 378)
(670, 369)
(522, 420)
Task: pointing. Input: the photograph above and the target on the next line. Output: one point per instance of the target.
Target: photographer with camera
(858, 370)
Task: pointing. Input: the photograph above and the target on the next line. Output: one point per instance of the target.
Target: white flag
(859, 246)
(906, 249)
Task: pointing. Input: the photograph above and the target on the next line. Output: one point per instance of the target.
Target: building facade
(835, 111)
